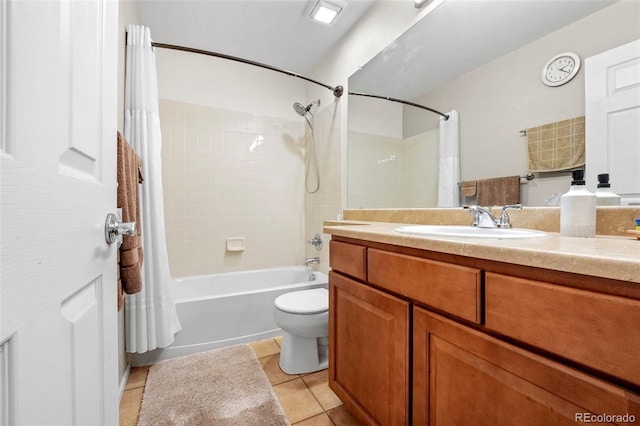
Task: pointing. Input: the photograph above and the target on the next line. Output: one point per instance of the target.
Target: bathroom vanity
(485, 332)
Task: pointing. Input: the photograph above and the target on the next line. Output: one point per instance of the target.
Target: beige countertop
(614, 257)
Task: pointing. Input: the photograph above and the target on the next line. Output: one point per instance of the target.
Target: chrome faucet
(482, 217)
(310, 260)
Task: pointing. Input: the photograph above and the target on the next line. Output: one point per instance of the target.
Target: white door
(612, 96)
(58, 320)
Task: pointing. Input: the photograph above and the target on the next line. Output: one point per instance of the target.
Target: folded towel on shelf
(130, 256)
(468, 188)
(498, 191)
(557, 146)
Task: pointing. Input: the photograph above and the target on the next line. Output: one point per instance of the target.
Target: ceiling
(273, 32)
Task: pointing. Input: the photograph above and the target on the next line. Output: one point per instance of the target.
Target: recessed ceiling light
(325, 12)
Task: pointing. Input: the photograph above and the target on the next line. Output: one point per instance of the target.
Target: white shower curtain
(449, 175)
(150, 316)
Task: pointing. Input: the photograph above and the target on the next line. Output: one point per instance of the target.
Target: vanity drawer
(349, 259)
(450, 288)
(597, 330)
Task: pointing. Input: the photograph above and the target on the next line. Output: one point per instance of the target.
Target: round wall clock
(560, 69)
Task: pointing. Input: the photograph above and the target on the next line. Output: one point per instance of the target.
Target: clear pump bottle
(578, 209)
(604, 196)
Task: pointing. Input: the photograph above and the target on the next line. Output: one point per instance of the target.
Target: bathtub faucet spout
(310, 260)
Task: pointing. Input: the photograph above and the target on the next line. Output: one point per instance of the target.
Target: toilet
(303, 317)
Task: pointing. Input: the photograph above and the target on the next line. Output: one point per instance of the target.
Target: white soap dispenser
(604, 196)
(578, 209)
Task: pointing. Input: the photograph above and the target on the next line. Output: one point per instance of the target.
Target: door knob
(113, 228)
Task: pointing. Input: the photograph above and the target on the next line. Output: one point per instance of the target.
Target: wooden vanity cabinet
(427, 339)
(369, 351)
(462, 376)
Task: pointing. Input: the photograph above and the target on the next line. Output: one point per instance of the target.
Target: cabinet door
(462, 377)
(369, 351)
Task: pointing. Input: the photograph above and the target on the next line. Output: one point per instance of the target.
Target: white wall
(392, 172)
(420, 177)
(375, 116)
(221, 83)
(375, 179)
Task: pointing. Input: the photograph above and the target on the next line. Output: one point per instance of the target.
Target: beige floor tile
(137, 377)
(278, 340)
(319, 420)
(318, 384)
(265, 348)
(273, 371)
(341, 416)
(296, 400)
(130, 406)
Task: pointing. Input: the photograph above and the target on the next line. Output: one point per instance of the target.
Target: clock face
(560, 69)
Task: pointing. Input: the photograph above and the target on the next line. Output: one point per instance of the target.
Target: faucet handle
(504, 221)
(316, 241)
(481, 216)
(473, 211)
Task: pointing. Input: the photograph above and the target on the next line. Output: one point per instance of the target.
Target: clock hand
(563, 69)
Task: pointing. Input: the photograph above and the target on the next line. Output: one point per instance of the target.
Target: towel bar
(528, 176)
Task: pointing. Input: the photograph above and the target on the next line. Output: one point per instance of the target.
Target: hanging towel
(130, 257)
(498, 191)
(468, 188)
(557, 146)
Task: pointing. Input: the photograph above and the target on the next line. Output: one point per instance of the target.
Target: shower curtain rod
(337, 91)
(445, 116)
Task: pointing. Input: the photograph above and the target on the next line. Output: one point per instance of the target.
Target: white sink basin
(470, 232)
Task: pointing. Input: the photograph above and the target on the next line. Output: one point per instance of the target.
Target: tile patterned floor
(305, 398)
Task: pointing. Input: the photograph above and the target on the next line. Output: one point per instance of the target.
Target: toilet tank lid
(311, 301)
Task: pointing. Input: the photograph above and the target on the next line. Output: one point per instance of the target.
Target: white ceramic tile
(220, 188)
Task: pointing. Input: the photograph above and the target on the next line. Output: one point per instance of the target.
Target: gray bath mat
(222, 387)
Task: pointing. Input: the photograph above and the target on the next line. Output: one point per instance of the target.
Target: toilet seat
(313, 301)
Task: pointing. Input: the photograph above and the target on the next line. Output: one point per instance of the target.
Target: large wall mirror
(482, 58)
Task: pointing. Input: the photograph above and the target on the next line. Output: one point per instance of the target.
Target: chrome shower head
(304, 110)
(300, 109)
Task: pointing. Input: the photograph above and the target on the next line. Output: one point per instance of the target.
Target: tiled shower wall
(386, 172)
(231, 174)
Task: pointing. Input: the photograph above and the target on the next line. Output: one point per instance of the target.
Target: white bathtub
(226, 309)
